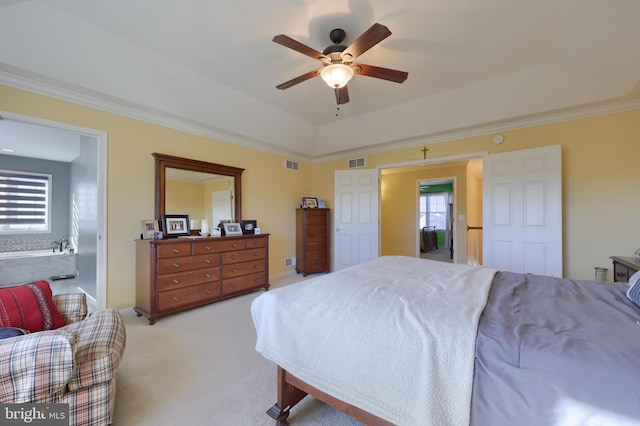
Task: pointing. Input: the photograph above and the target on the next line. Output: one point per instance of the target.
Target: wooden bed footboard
(292, 390)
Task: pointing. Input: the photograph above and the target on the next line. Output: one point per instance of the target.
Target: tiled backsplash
(27, 244)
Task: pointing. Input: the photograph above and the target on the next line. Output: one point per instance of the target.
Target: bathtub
(27, 266)
(29, 253)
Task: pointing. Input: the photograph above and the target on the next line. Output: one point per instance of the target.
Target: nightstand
(624, 267)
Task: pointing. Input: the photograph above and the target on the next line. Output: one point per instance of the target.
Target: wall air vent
(354, 163)
(291, 165)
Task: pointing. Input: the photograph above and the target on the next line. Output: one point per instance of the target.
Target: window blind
(24, 201)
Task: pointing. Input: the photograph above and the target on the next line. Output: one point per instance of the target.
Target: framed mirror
(170, 169)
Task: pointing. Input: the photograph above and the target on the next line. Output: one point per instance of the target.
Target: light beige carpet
(200, 367)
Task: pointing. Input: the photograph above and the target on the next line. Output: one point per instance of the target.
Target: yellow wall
(184, 198)
(601, 199)
(399, 208)
(270, 195)
(600, 181)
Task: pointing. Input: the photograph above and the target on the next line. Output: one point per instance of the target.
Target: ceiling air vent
(354, 163)
(291, 165)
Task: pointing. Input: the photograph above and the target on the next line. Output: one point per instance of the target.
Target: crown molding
(46, 86)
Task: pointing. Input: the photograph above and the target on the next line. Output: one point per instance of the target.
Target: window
(433, 210)
(24, 202)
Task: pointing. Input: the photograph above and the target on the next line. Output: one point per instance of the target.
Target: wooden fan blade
(342, 95)
(287, 41)
(379, 72)
(299, 79)
(374, 35)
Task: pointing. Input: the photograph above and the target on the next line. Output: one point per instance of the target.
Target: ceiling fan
(337, 60)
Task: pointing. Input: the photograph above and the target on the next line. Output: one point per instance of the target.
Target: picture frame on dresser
(248, 226)
(176, 225)
(309, 202)
(232, 228)
(149, 229)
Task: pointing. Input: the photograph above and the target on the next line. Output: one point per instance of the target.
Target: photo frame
(309, 202)
(248, 226)
(176, 225)
(322, 204)
(232, 228)
(149, 229)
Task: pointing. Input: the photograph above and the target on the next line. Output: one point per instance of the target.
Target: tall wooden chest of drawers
(177, 274)
(312, 241)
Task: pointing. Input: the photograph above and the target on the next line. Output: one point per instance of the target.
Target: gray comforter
(557, 352)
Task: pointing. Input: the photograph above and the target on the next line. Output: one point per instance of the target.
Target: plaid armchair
(74, 364)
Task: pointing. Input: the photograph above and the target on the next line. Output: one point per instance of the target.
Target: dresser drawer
(238, 269)
(207, 247)
(317, 233)
(173, 265)
(185, 296)
(256, 242)
(316, 217)
(621, 273)
(243, 255)
(244, 282)
(205, 260)
(232, 245)
(174, 250)
(186, 279)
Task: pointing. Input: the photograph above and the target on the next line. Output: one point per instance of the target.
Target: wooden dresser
(624, 267)
(312, 240)
(177, 274)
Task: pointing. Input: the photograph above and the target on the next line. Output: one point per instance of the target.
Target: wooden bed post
(288, 396)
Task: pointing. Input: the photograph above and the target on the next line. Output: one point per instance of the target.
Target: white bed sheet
(394, 336)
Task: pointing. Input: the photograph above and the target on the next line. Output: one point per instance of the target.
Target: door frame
(425, 162)
(101, 166)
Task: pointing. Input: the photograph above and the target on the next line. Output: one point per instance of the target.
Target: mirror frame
(163, 161)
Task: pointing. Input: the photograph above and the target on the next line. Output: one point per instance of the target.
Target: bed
(405, 341)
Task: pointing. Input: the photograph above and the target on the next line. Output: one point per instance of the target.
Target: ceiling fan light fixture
(336, 75)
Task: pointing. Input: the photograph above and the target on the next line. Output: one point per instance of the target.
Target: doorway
(435, 219)
(399, 211)
(87, 201)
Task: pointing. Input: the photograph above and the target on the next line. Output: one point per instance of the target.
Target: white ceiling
(211, 67)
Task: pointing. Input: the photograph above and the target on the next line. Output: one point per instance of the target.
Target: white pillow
(633, 293)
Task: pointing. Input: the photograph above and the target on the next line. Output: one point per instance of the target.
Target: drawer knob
(207, 275)
(257, 280)
(234, 257)
(234, 270)
(234, 245)
(176, 298)
(234, 285)
(256, 266)
(207, 260)
(176, 265)
(207, 247)
(175, 250)
(256, 254)
(176, 281)
(207, 291)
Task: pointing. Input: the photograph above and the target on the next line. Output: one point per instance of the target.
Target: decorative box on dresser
(173, 275)
(312, 240)
(624, 267)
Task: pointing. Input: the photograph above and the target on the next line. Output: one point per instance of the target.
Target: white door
(355, 219)
(221, 206)
(522, 211)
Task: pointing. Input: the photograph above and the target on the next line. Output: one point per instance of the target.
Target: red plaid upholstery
(75, 364)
